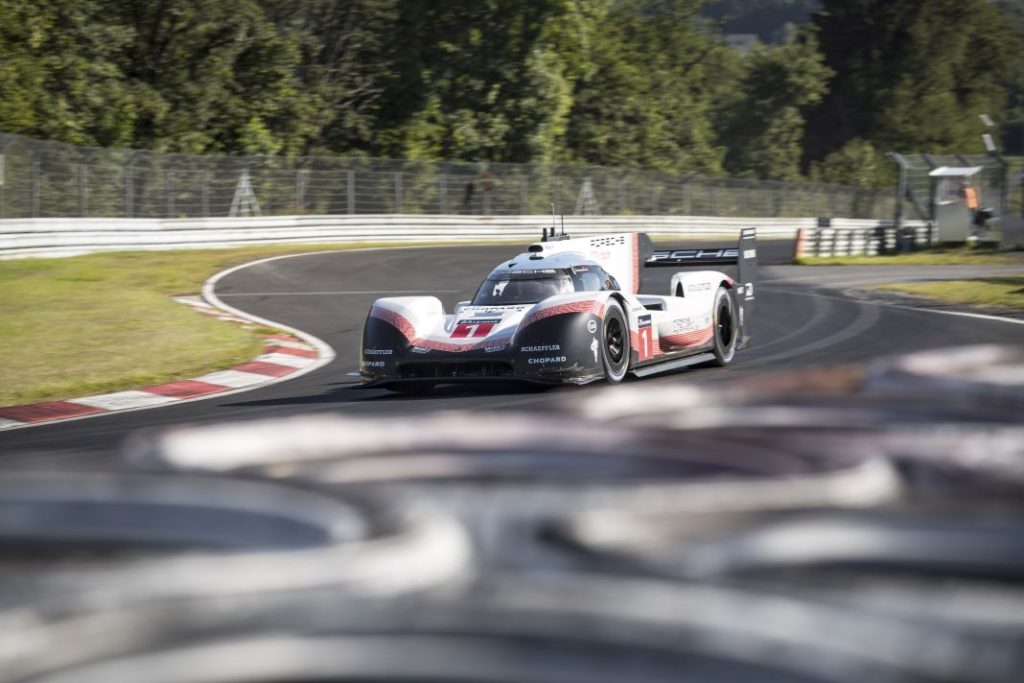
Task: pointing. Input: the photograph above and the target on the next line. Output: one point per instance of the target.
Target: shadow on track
(355, 393)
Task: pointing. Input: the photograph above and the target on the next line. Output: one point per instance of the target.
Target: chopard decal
(547, 359)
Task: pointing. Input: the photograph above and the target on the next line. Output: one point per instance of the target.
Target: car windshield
(519, 288)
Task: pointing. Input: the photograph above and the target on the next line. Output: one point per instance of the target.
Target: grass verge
(105, 322)
(938, 256)
(993, 292)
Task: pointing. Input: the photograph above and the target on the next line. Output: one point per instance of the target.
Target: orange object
(971, 197)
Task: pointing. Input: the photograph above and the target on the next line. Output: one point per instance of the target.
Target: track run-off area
(804, 316)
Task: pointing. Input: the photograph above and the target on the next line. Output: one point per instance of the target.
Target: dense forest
(639, 83)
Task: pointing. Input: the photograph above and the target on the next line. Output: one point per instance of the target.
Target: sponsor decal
(593, 348)
(749, 253)
(378, 352)
(699, 287)
(495, 347)
(373, 363)
(684, 325)
(465, 329)
(750, 290)
(547, 359)
(645, 338)
(591, 326)
(490, 312)
(420, 349)
(692, 254)
(612, 241)
(543, 348)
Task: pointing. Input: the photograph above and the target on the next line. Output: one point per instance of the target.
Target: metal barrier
(853, 238)
(70, 236)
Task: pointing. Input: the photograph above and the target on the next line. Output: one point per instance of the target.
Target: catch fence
(41, 179)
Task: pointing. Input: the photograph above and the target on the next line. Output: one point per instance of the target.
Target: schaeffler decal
(378, 352)
(543, 348)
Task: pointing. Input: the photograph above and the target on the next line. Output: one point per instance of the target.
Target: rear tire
(724, 327)
(615, 347)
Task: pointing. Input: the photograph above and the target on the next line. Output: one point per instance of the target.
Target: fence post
(169, 192)
(129, 189)
(35, 187)
(350, 177)
(83, 189)
(206, 193)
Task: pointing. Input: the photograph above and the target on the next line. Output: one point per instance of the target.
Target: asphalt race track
(805, 316)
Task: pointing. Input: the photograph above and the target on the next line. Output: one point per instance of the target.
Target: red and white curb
(286, 356)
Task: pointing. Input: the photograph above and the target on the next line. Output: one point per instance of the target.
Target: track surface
(804, 317)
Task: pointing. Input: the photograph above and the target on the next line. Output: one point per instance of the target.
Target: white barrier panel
(45, 237)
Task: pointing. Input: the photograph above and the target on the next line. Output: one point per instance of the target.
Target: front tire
(724, 327)
(614, 343)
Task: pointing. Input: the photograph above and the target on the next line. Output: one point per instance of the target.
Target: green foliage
(858, 164)
(766, 18)
(647, 102)
(636, 83)
(764, 124)
(910, 74)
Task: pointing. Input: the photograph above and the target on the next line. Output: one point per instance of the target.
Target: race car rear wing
(743, 256)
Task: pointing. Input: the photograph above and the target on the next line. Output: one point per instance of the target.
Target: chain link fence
(40, 179)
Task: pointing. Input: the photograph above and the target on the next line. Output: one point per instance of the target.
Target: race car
(568, 311)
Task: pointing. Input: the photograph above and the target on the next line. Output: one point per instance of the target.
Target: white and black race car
(568, 311)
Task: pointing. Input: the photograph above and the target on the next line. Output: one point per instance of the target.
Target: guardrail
(74, 236)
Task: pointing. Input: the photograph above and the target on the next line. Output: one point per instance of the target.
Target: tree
(857, 164)
(910, 74)
(647, 100)
(59, 73)
(483, 79)
(764, 126)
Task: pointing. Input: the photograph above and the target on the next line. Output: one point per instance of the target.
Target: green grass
(105, 322)
(930, 257)
(993, 292)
